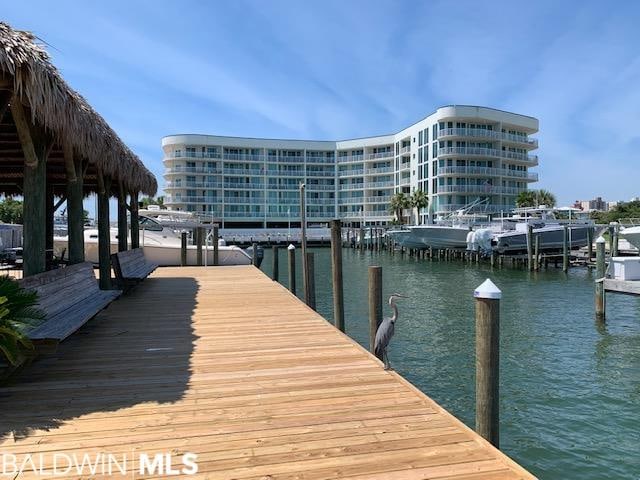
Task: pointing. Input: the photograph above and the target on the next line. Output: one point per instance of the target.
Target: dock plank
(227, 364)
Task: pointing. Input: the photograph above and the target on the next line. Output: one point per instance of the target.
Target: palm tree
(527, 198)
(17, 314)
(545, 197)
(419, 200)
(399, 202)
(534, 198)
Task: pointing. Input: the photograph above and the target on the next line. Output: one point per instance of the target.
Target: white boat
(632, 235)
(161, 245)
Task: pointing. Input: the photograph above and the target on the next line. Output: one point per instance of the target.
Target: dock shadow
(136, 351)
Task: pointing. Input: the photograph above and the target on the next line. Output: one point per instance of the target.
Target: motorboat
(631, 234)
(511, 235)
(404, 237)
(162, 245)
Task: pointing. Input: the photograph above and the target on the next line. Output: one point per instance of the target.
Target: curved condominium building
(456, 155)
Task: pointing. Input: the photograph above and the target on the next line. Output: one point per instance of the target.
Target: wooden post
(291, 253)
(123, 241)
(487, 298)
(35, 150)
(361, 239)
(311, 281)
(183, 249)
(565, 249)
(216, 260)
(254, 249)
(135, 219)
(75, 210)
(104, 231)
(50, 212)
(536, 254)
(600, 272)
(199, 237)
(614, 240)
(336, 270)
(589, 244)
(303, 245)
(375, 304)
(274, 264)
(530, 247)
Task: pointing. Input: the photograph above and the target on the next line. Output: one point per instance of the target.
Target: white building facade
(456, 155)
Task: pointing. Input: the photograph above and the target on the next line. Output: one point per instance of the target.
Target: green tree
(10, 211)
(398, 204)
(620, 211)
(419, 200)
(18, 312)
(535, 198)
(146, 201)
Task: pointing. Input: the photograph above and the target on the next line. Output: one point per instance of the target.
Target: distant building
(595, 204)
(456, 155)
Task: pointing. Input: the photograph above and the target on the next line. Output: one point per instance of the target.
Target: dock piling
(183, 249)
(275, 264)
(216, 260)
(487, 298)
(565, 249)
(311, 281)
(614, 240)
(336, 270)
(291, 253)
(199, 238)
(530, 247)
(375, 304)
(600, 272)
(254, 254)
(536, 253)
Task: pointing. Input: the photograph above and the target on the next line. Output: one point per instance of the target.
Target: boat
(162, 245)
(511, 236)
(631, 234)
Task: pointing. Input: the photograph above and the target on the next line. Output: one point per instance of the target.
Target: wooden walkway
(224, 363)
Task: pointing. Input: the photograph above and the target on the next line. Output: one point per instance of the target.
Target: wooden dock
(227, 364)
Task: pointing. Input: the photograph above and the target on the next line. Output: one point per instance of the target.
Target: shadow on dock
(121, 358)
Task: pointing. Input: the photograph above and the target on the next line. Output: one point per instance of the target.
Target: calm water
(570, 389)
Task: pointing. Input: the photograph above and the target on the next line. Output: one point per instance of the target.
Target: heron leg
(385, 359)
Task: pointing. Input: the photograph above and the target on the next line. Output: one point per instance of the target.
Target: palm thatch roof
(26, 71)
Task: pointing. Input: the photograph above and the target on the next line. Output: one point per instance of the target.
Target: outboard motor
(471, 244)
(222, 242)
(482, 240)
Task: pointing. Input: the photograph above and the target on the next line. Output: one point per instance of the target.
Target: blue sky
(344, 69)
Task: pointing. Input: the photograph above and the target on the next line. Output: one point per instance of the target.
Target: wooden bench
(131, 267)
(70, 297)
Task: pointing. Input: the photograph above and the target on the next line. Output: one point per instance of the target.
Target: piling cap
(600, 239)
(488, 289)
(291, 247)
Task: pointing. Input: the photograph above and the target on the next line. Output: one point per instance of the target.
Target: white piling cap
(291, 247)
(600, 239)
(488, 289)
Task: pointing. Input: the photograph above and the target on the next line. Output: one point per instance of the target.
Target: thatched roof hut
(27, 75)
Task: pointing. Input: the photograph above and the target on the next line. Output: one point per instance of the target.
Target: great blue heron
(386, 330)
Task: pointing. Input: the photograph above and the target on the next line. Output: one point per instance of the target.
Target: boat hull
(631, 235)
(551, 239)
(437, 236)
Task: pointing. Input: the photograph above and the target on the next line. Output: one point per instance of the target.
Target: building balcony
(351, 186)
(283, 201)
(244, 186)
(244, 172)
(327, 160)
(285, 173)
(350, 200)
(378, 170)
(291, 186)
(285, 159)
(487, 152)
(480, 189)
(378, 199)
(405, 150)
(377, 214)
(487, 134)
(321, 201)
(351, 173)
(244, 200)
(245, 157)
(404, 181)
(388, 184)
(185, 185)
(183, 154)
(488, 172)
(453, 207)
(376, 156)
(312, 186)
(320, 173)
(181, 169)
(351, 159)
(228, 214)
(405, 166)
(191, 199)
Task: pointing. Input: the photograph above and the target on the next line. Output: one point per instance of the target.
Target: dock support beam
(123, 229)
(75, 210)
(336, 270)
(254, 254)
(216, 260)
(311, 281)
(487, 298)
(275, 264)
(530, 247)
(199, 234)
(614, 240)
(291, 257)
(183, 249)
(565, 249)
(375, 304)
(35, 147)
(104, 234)
(600, 269)
(135, 219)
